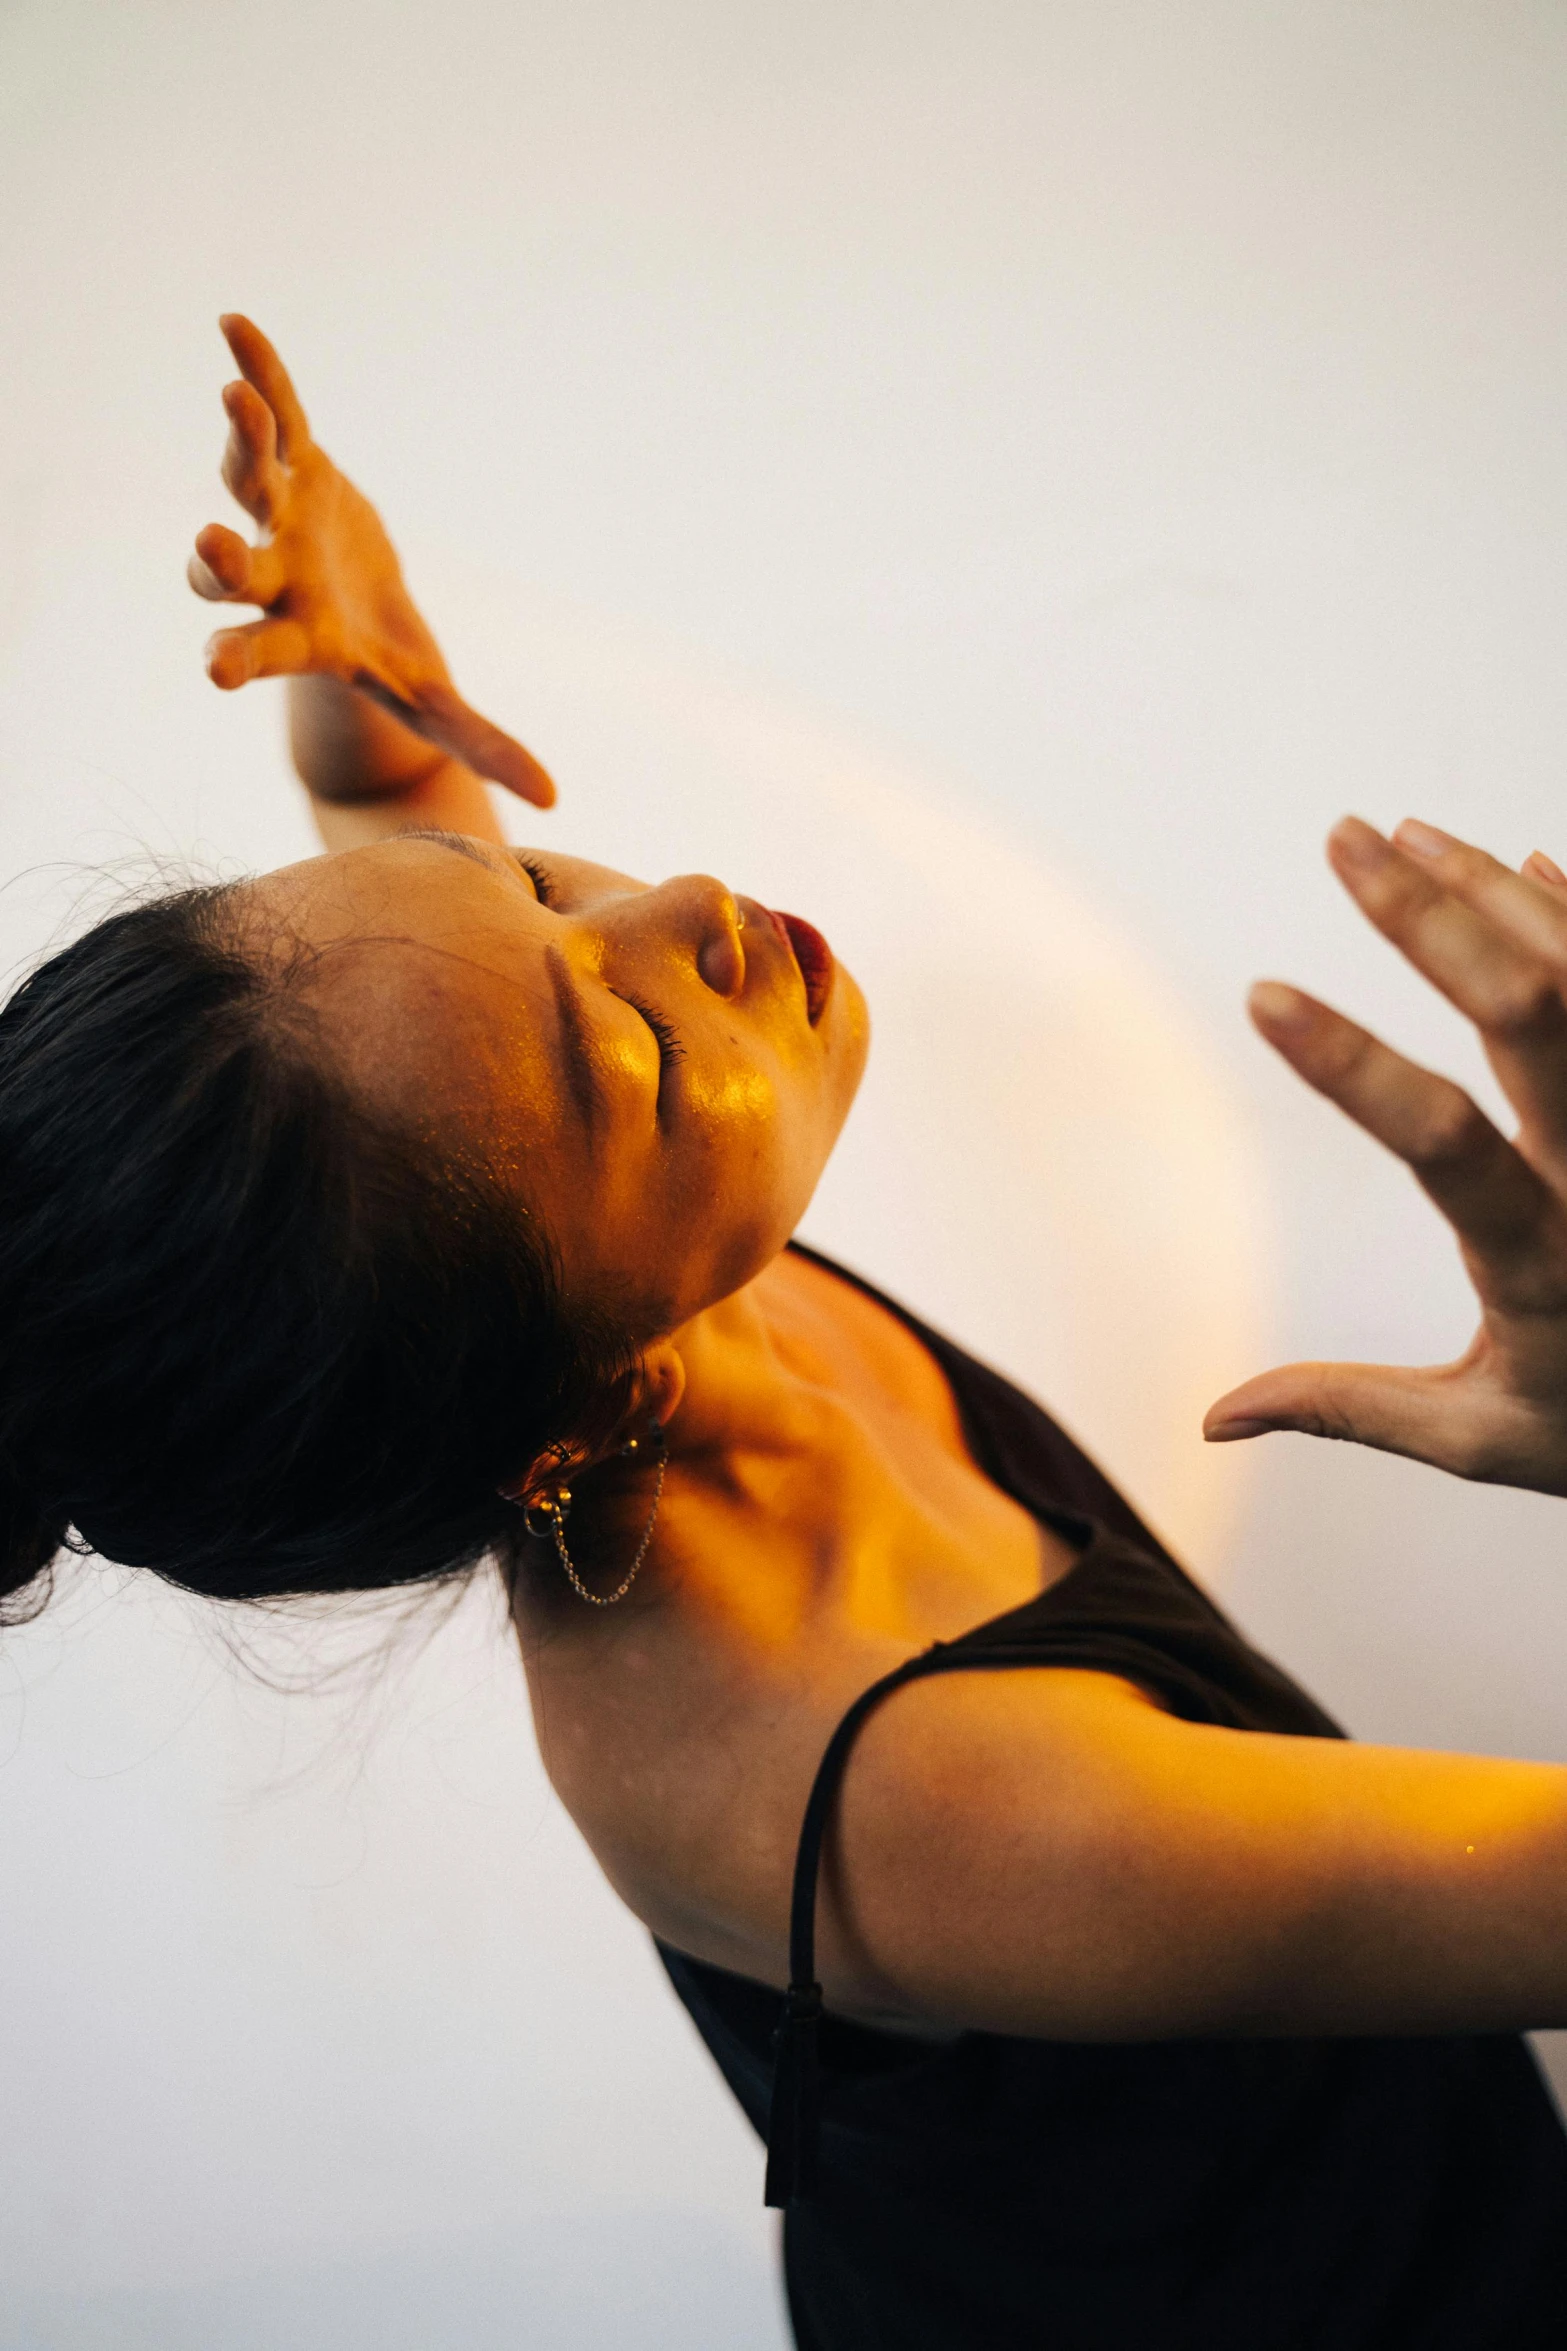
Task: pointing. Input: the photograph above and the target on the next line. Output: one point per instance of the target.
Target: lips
(815, 959)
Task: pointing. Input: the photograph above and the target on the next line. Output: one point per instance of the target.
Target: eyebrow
(583, 1079)
(583, 1076)
(460, 843)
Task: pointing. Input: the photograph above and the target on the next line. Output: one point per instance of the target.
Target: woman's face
(661, 1072)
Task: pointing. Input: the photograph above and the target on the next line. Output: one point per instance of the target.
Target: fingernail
(1423, 839)
(1546, 867)
(1355, 842)
(1280, 1006)
(1228, 1432)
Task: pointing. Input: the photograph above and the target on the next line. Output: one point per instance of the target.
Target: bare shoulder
(1047, 1852)
(974, 1802)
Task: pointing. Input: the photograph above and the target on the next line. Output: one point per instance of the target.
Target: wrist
(346, 749)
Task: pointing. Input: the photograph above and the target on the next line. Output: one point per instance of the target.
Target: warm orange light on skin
(457, 996)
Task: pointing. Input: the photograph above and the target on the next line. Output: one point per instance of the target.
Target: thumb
(501, 757)
(440, 716)
(1385, 1405)
(448, 720)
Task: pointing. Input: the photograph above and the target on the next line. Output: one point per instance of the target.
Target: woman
(430, 1202)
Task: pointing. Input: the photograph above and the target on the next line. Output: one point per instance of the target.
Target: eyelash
(670, 1049)
(538, 875)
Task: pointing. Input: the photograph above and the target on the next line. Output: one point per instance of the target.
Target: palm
(344, 586)
(328, 580)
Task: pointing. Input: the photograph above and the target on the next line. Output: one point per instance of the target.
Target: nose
(699, 916)
(707, 915)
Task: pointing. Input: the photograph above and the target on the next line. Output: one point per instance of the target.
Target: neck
(762, 1436)
(770, 1447)
(756, 1389)
(819, 1474)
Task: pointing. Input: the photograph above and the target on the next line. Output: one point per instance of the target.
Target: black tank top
(991, 2192)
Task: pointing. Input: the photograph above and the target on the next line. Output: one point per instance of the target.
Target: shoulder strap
(793, 2124)
(794, 2119)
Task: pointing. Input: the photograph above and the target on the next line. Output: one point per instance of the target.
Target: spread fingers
(1494, 942)
(250, 468)
(1528, 908)
(1499, 969)
(1504, 1213)
(260, 366)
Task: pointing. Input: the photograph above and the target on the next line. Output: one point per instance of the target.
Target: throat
(826, 1476)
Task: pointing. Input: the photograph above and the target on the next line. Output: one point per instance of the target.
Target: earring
(554, 1510)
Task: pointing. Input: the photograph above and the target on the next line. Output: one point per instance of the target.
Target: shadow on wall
(600, 2282)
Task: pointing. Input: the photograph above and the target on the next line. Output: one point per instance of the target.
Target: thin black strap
(794, 2119)
(793, 2125)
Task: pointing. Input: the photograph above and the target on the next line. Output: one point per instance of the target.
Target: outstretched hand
(1495, 943)
(328, 580)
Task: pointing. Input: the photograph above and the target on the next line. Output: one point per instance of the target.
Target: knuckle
(1331, 1418)
(1451, 1128)
(1520, 1003)
(1391, 897)
(1463, 866)
(1348, 1052)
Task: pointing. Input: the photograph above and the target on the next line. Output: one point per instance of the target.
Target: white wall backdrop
(1011, 475)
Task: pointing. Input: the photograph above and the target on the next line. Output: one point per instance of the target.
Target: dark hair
(252, 1336)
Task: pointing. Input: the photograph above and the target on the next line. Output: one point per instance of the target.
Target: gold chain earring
(554, 1510)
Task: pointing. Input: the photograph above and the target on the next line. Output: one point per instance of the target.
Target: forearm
(368, 777)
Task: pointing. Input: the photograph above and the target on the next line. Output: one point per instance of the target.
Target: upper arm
(1045, 1852)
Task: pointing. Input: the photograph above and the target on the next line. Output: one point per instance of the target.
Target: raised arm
(380, 736)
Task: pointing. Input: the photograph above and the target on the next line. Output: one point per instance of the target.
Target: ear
(657, 1387)
(657, 1390)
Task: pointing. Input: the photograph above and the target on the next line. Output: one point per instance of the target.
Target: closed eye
(670, 1049)
(538, 873)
